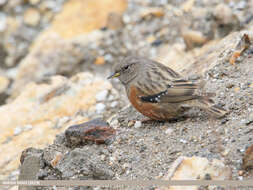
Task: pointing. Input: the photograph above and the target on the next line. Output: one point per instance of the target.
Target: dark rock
(96, 131)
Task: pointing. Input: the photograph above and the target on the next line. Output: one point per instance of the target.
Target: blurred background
(55, 56)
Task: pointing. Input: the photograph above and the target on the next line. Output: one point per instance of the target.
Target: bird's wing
(165, 85)
(177, 91)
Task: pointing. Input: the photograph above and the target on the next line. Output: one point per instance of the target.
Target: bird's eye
(126, 67)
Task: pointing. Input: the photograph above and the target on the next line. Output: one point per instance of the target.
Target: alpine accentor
(160, 93)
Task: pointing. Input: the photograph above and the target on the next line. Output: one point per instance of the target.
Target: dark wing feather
(176, 92)
(167, 85)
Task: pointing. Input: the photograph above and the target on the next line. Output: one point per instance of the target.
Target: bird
(160, 93)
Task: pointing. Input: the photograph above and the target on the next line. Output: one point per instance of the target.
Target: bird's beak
(116, 74)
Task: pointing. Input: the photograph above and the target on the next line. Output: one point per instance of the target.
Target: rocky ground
(55, 57)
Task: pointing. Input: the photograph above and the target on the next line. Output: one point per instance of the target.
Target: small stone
(28, 127)
(97, 131)
(34, 2)
(17, 131)
(230, 85)
(56, 159)
(197, 168)
(2, 2)
(187, 6)
(223, 14)
(193, 38)
(99, 61)
(183, 141)
(240, 172)
(137, 124)
(126, 19)
(237, 89)
(114, 21)
(157, 42)
(225, 152)
(114, 104)
(247, 161)
(152, 12)
(243, 44)
(131, 123)
(3, 22)
(100, 108)
(151, 39)
(101, 96)
(169, 131)
(32, 17)
(62, 121)
(4, 82)
(108, 57)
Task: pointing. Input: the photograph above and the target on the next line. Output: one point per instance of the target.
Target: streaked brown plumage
(160, 93)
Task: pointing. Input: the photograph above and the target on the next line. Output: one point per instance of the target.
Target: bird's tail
(208, 105)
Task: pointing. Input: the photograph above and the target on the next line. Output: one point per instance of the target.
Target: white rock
(193, 168)
(101, 96)
(126, 19)
(17, 130)
(28, 127)
(114, 104)
(169, 131)
(137, 124)
(183, 141)
(111, 97)
(100, 107)
(62, 121)
(2, 2)
(2, 22)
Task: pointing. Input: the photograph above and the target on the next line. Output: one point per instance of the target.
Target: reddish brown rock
(96, 131)
(247, 161)
(242, 45)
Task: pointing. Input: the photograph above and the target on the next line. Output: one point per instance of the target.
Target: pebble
(4, 82)
(114, 104)
(108, 57)
(101, 96)
(169, 131)
(183, 141)
(2, 2)
(223, 14)
(126, 19)
(99, 60)
(17, 131)
(34, 2)
(240, 173)
(28, 127)
(131, 123)
(240, 177)
(193, 38)
(62, 121)
(249, 120)
(3, 22)
(156, 12)
(100, 107)
(111, 97)
(96, 131)
(32, 17)
(247, 161)
(137, 124)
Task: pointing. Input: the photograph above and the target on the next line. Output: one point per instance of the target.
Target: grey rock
(83, 163)
(31, 164)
